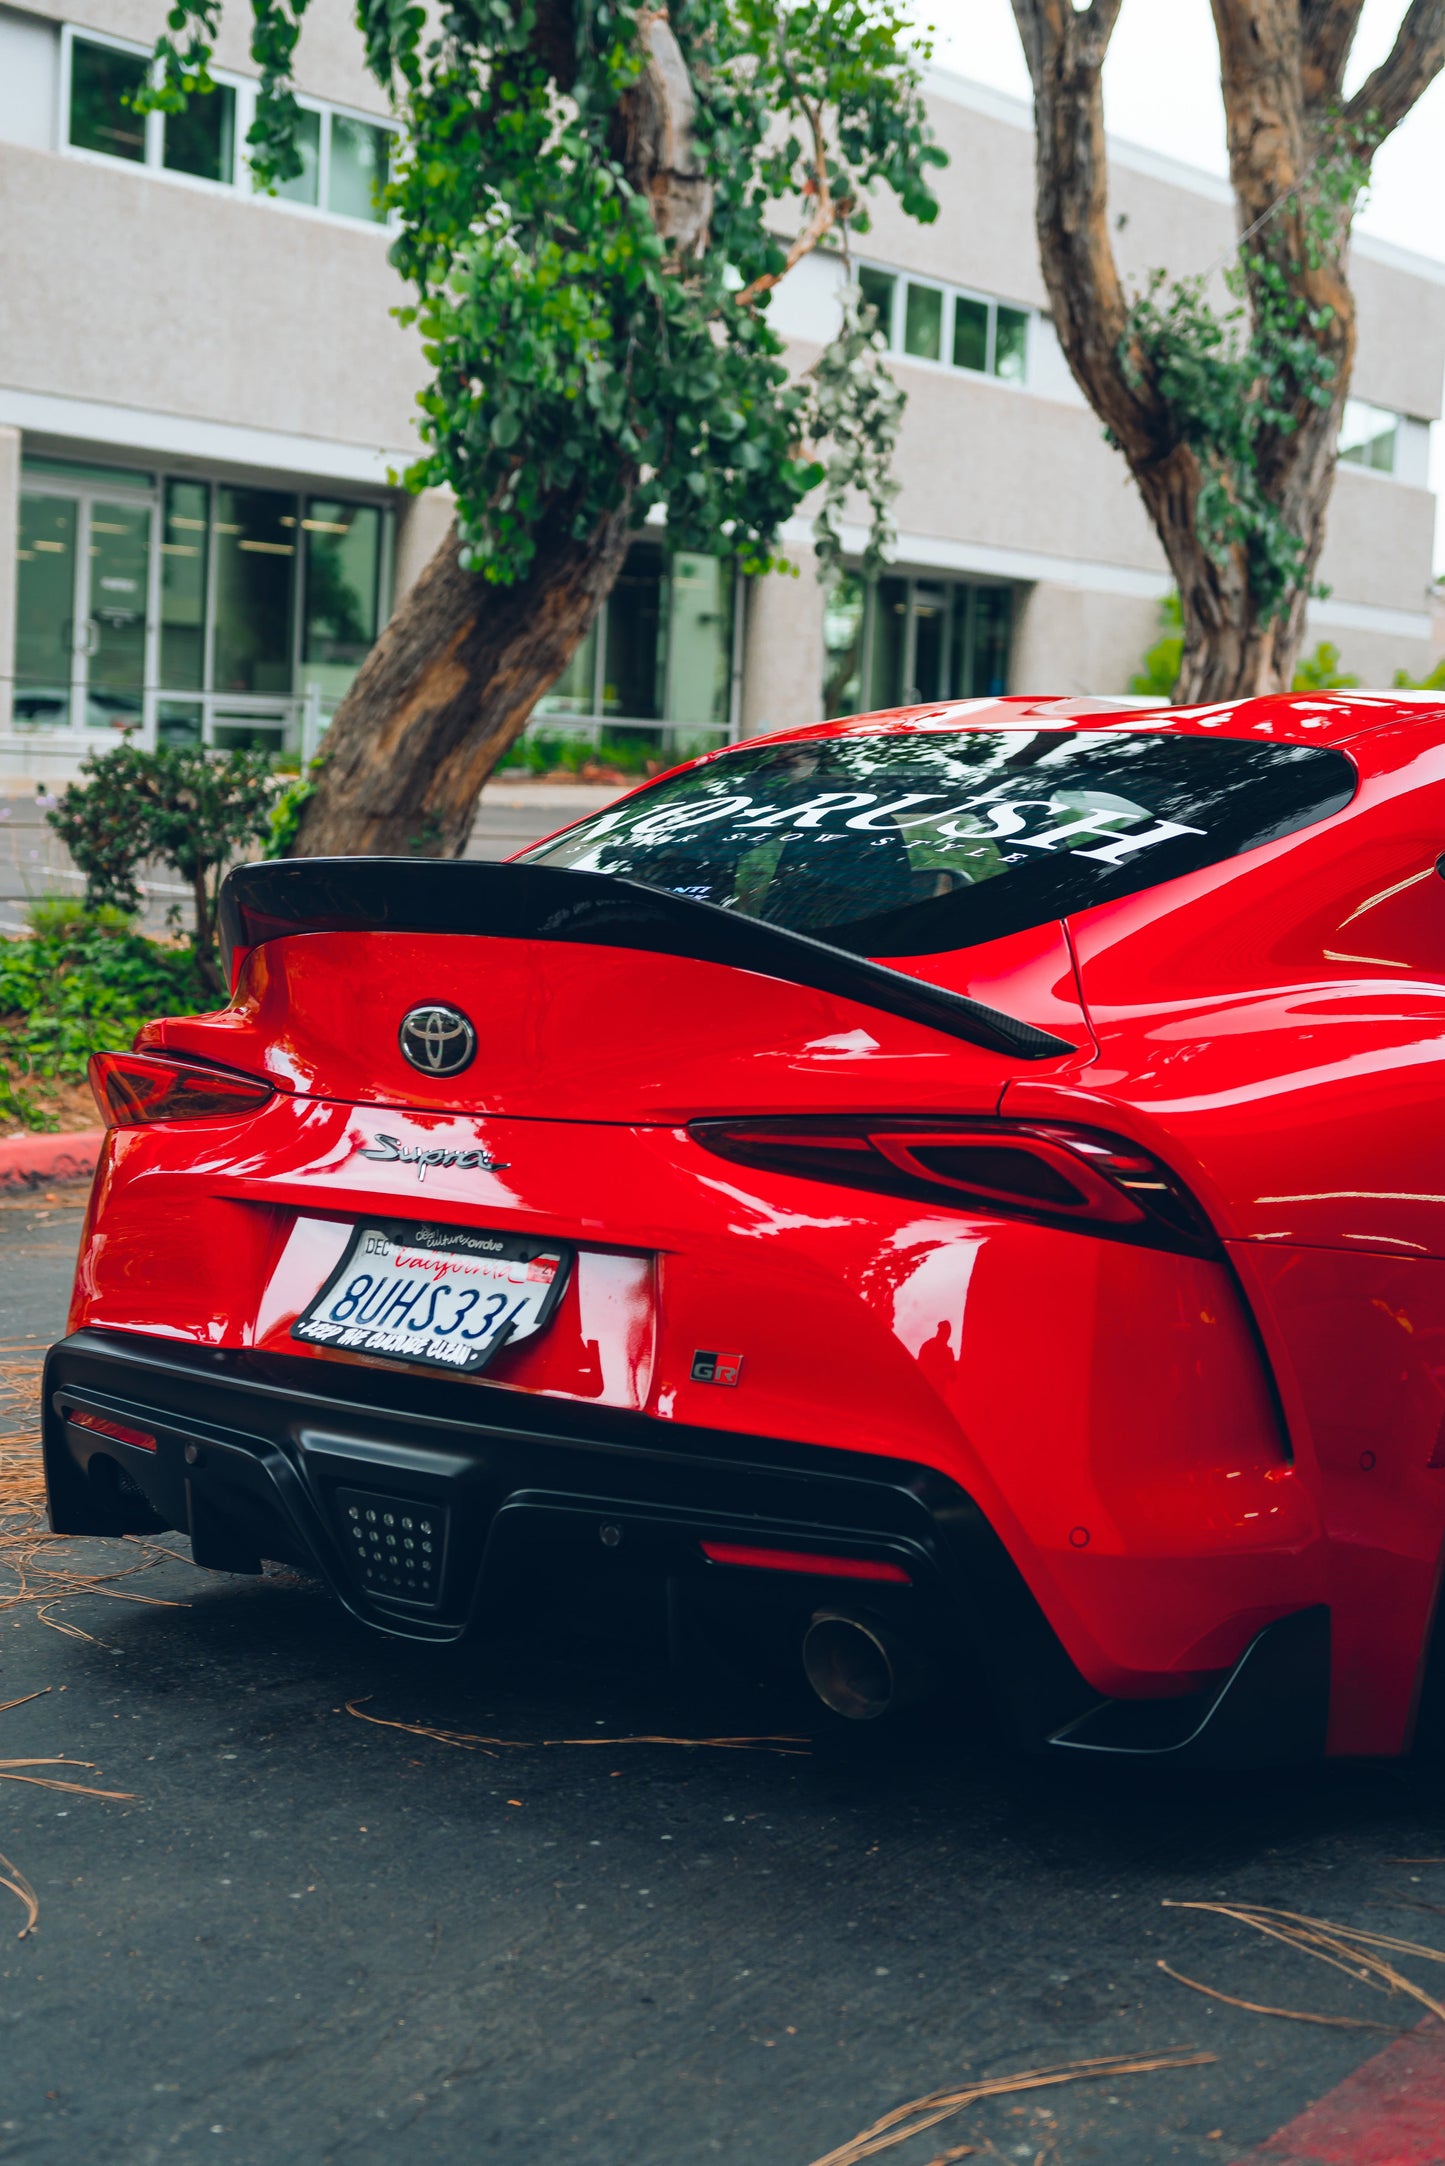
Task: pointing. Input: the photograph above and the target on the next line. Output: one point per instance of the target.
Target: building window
(202, 140)
(923, 322)
(185, 540)
(345, 159)
(342, 586)
(305, 186)
(877, 289)
(225, 615)
(359, 167)
(103, 81)
(1368, 436)
(970, 331)
(901, 642)
(255, 540)
(660, 649)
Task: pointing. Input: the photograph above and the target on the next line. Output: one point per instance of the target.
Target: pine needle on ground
(493, 1747)
(1361, 1956)
(12, 1878)
(925, 2113)
(1295, 2015)
(36, 1571)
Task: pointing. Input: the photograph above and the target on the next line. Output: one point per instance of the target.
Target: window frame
(970, 585)
(595, 722)
(297, 713)
(952, 295)
(241, 184)
(1368, 466)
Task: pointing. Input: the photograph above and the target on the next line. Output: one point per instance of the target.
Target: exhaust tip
(857, 1668)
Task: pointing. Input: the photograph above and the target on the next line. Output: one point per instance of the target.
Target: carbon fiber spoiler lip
(277, 897)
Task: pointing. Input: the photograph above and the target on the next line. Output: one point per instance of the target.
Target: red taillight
(806, 1560)
(132, 1089)
(103, 1426)
(1061, 1175)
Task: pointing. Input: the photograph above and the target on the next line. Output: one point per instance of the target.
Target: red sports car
(967, 1185)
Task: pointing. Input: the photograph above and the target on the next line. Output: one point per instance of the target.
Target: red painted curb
(1390, 2112)
(31, 1162)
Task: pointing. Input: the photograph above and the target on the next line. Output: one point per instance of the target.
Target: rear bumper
(320, 1464)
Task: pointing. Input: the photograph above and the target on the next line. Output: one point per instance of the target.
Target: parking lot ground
(312, 1931)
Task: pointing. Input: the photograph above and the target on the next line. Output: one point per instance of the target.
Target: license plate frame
(480, 1253)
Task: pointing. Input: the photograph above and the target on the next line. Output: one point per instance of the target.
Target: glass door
(111, 650)
(927, 667)
(83, 612)
(45, 611)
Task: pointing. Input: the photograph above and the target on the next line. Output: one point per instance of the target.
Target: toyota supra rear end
(962, 1185)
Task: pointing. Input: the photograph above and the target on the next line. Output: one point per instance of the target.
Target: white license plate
(446, 1295)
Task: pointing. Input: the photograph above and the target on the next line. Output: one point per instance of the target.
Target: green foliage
(1432, 681)
(1321, 672)
(1160, 673)
(858, 411)
(1317, 672)
(1238, 383)
(83, 982)
(628, 752)
(188, 807)
(1231, 381)
(577, 359)
(285, 823)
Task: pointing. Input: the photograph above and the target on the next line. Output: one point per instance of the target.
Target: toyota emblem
(437, 1039)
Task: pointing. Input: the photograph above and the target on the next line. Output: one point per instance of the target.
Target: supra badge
(716, 1368)
(393, 1152)
(438, 1039)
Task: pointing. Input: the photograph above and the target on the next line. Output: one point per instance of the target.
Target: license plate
(444, 1295)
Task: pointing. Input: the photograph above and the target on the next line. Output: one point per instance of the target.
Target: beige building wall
(782, 684)
(156, 320)
(200, 303)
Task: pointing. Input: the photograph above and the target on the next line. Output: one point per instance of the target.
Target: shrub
(1432, 681)
(82, 983)
(187, 806)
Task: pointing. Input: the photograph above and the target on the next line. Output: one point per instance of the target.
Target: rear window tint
(909, 845)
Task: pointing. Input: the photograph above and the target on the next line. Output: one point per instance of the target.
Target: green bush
(83, 982)
(1432, 681)
(189, 807)
(629, 752)
(1160, 673)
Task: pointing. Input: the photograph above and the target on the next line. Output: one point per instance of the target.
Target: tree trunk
(448, 688)
(1282, 65)
(451, 682)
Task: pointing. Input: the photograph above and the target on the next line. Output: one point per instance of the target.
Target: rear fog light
(100, 1425)
(806, 1560)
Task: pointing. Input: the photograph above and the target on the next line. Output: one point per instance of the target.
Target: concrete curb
(31, 1162)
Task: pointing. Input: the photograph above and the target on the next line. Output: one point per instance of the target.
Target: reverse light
(1042, 1170)
(805, 1560)
(134, 1089)
(101, 1425)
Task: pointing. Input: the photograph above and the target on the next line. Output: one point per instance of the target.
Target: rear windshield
(909, 845)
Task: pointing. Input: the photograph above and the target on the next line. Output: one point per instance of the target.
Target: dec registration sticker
(446, 1295)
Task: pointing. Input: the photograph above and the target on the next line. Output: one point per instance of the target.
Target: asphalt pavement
(313, 1929)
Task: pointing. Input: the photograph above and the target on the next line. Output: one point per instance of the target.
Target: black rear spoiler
(543, 902)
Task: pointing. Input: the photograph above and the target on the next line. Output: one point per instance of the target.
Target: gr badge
(716, 1368)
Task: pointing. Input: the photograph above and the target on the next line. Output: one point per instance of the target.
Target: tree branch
(1327, 35)
(826, 213)
(1415, 59)
(1065, 48)
(657, 120)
